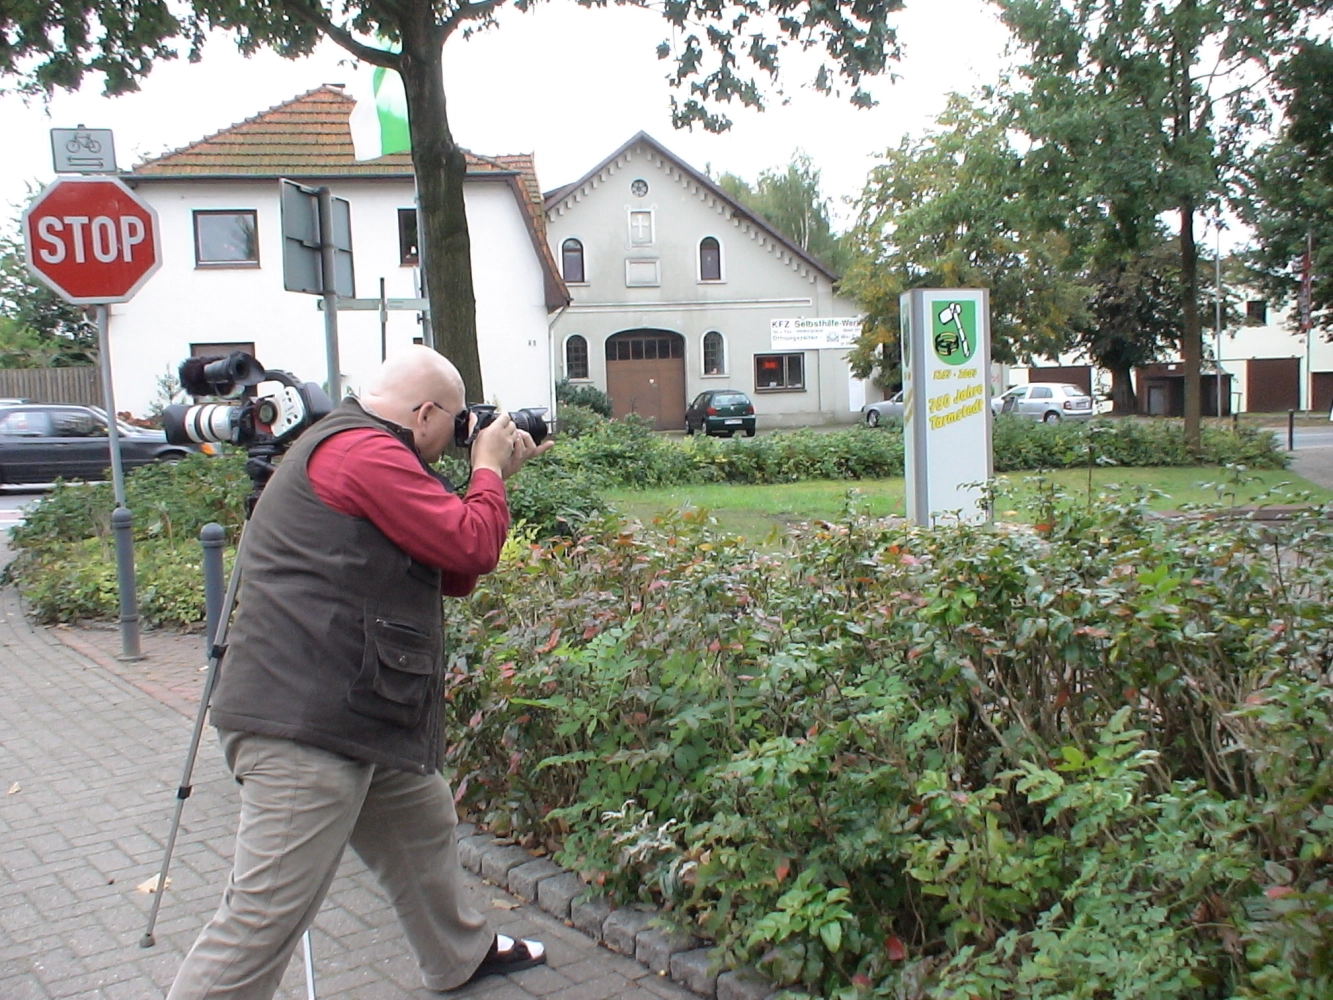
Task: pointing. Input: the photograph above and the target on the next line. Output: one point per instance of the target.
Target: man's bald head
(413, 376)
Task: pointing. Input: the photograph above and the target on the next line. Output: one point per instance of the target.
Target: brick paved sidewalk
(91, 752)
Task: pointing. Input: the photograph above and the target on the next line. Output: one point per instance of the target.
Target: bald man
(329, 697)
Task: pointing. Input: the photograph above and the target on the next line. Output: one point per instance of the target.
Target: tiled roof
(309, 136)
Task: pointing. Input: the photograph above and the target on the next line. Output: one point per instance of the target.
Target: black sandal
(507, 955)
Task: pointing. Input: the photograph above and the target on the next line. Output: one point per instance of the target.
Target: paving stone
(526, 878)
(556, 894)
(589, 915)
(623, 926)
(654, 947)
(496, 862)
(743, 984)
(695, 970)
(463, 830)
(469, 851)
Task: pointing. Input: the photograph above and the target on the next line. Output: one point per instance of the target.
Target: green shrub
(575, 421)
(1090, 759)
(588, 396)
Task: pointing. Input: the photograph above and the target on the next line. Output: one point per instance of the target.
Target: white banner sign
(814, 334)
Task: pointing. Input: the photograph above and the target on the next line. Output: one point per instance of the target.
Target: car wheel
(1051, 418)
(872, 418)
(689, 429)
(749, 433)
(171, 457)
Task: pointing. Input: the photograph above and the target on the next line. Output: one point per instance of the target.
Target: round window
(639, 188)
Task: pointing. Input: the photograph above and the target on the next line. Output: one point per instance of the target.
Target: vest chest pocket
(396, 672)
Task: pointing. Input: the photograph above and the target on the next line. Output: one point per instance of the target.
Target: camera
(272, 407)
(531, 419)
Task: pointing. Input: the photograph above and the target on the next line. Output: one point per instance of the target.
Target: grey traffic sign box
(83, 150)
(302, 245)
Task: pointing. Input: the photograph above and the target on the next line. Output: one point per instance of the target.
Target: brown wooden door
(645, 374)
(1273, 385)
(1323, 392)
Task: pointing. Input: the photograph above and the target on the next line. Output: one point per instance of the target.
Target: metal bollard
(1291, 430)
(213, 538)
(122, 524)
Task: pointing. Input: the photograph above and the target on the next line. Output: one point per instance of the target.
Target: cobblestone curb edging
(630, 931)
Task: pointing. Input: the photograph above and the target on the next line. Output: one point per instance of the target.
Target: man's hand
(503, 448)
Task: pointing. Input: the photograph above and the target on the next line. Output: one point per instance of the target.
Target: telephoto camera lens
(533, 421)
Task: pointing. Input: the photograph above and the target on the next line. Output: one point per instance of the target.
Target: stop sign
(91, 239)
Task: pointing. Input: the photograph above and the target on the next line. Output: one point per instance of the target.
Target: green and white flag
(379, 119)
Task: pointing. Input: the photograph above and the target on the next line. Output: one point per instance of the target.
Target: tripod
(218, 615)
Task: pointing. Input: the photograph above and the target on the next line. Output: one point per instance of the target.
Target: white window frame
(564, 354)
(703, 373)
(630, 212)
(586, 269)
(721, 279)
(657, 272)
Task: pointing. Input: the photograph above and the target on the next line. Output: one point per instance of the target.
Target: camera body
(531, 419)
(271, 409)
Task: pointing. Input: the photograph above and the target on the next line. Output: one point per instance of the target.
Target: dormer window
(571, 262)
(710, 259)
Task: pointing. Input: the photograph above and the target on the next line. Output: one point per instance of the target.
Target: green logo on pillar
(953, 330)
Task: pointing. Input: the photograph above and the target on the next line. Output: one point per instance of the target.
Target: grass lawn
(755, 511)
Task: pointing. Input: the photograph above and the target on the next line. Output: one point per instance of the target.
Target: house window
(779, 371)
(571, 262)
(1256, 312)
(576, 357)
(226, 238)
(221, 349)
(641, 229)
(710, 260)
(408, 253)
(644, 348)
(715, 362)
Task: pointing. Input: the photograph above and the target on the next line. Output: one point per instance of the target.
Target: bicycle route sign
(91, 239)
(83, 150)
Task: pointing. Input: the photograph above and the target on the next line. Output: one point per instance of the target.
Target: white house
(220, 286)
(675, 287)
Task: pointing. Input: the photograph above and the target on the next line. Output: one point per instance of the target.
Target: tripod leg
(309, 967)
(218, 647)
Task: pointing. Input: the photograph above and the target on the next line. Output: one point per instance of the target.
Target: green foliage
(38, 329)
(1089, 759)
(791, 200)
(587, 396)
(575, 421)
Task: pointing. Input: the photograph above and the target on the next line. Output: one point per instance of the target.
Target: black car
(720, 411)
(40, 442)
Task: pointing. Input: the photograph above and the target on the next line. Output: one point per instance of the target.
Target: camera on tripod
(272, 408)
(531, 419)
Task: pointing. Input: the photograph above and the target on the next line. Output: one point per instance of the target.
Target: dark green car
(720, 411)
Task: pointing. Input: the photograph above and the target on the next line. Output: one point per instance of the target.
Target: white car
(891, 407)
(1049, 402)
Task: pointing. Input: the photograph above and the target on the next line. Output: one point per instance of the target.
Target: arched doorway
(645, 374)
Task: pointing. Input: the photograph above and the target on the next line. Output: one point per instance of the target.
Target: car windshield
(1073, 390)
(729, 399)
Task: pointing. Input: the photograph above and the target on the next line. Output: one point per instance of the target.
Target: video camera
(274, 410)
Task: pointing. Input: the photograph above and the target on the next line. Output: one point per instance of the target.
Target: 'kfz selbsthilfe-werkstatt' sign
(947, 416)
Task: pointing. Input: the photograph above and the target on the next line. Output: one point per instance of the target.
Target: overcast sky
(566, 83)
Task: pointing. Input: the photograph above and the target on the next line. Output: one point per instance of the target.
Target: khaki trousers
(300, 807)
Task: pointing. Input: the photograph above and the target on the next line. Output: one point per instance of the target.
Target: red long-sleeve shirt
(370, 474)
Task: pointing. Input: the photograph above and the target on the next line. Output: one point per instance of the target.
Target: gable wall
(762, 280)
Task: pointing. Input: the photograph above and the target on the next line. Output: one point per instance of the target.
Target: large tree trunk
(1191, 338)
(1124, 401)
(441, 169)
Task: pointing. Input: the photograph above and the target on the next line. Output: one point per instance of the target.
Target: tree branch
(468, 12)
(315, 16)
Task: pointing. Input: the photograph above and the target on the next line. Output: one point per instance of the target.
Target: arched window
(710, 260)
(715, 360)
(571, 261)
(576, 357)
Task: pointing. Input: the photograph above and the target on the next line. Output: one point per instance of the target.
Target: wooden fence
(53, 385)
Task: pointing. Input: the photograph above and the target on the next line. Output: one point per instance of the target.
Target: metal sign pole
(384, 324)
(121, 518)
(327, 258)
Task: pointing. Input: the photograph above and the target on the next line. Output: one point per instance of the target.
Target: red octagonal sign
(91, 239)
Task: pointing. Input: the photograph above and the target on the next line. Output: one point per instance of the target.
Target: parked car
(40, 442)
(1049, 402)
(720, 411)
(891, 407)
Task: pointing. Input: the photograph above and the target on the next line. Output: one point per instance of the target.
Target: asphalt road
(14, 501)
